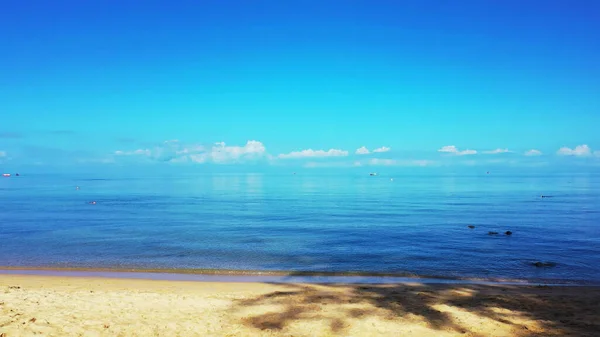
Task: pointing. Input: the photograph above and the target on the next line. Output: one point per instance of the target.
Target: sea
(397, 224)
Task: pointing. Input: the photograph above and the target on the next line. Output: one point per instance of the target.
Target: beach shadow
(523, 310)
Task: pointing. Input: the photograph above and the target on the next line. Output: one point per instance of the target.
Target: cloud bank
(451, 149)
(174, 151)
(533, 153)
(579, 150)
(219, 153)
(310, 153)
(382, 149)
(497, 151)
(362, 150)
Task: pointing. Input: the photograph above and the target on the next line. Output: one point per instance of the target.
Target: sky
(299, 83)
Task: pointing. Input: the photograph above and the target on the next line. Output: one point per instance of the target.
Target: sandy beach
(77, 306)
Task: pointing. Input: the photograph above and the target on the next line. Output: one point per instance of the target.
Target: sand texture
(62, 306)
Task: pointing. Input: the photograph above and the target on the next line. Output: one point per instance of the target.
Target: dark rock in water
(544, 264)
(471, 226)
(508, 233)
(492, 233)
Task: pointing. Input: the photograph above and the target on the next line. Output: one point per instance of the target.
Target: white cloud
(362, 150)
(190, 149)
(196, 158)
(579, 150)
(448, 149)
(314, 153)
(497, 151)
(176, 152)
(533, 152)
(454, 150)
(221, 153)
(382, 149)
(138, 152)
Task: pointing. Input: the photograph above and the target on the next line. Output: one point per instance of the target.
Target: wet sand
(200, 275)
(34, 305)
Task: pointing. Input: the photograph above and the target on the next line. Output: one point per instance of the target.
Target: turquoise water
(307, 222)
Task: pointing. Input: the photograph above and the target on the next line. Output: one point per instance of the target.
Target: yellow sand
(62, 306)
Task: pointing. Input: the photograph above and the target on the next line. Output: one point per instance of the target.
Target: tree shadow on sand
(454, 309)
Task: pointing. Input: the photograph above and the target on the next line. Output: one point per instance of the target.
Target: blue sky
(304, 83)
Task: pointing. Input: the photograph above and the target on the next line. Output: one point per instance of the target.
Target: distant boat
(373, 174)
(6, 174)
(16, 175)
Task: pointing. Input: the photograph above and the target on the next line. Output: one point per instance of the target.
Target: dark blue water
(413, 224)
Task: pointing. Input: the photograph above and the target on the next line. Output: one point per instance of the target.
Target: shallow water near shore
(270, 277)
(415, 224)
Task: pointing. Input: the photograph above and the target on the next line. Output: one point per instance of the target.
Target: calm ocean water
(413, 224)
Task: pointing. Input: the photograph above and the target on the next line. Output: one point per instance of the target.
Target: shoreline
(268, 276)
(97, 306)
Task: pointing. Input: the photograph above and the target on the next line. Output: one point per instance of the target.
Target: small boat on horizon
(373, 174)
(6, 174)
